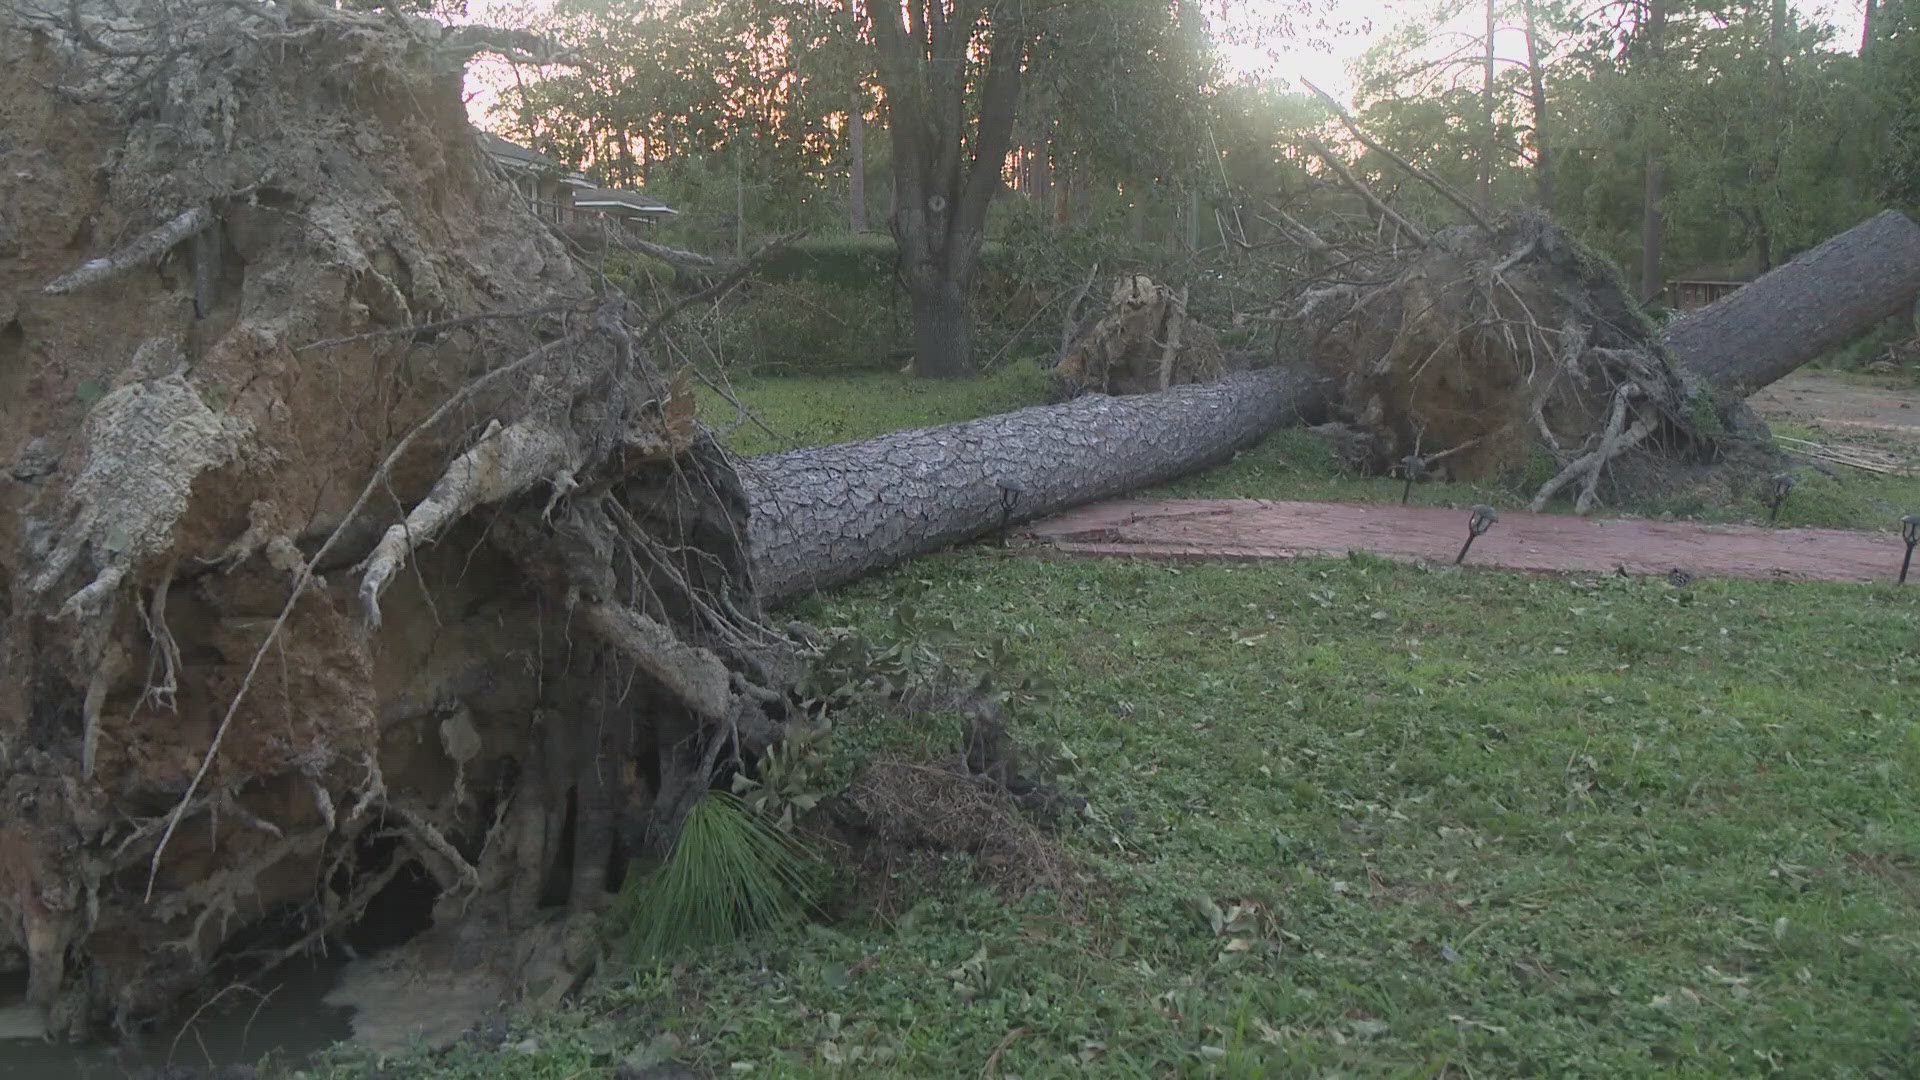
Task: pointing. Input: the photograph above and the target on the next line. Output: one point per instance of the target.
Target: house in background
(625, 206)
(564, 197)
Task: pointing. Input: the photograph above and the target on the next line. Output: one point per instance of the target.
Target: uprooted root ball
(350, 530)
(1486, 344)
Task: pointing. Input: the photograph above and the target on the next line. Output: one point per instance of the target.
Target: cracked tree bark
(827, 515)
(1803, 309)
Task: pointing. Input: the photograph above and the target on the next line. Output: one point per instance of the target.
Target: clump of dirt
(900, 809)
(976, 802)
(1487, 343)
(348, 528)
(1143, 342)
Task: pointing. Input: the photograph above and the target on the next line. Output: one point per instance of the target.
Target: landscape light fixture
(1782, 483)
(1010, 492)
(1416, 467)
(1483, 518)
(1910, 532)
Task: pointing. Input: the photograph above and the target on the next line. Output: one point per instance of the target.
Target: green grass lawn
(818, 410)
(1352, 817)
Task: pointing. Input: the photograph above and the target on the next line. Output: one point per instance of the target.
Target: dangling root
(1616, 440)
(502, 464)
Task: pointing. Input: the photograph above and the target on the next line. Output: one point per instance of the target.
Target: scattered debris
(1145, 342)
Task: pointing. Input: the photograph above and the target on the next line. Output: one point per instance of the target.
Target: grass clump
(732, 874)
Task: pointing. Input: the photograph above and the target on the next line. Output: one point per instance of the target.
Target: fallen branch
(1359, 187)
(144, 250)
(675, 256)
(1854, 457)
(1445, 190)
(1289, 223)
(1070, 323)
(718, 289)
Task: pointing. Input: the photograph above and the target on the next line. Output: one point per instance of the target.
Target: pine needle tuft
(731, 874)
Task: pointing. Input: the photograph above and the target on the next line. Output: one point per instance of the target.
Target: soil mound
(1489, 342)
(347, 527)
(1143, 342)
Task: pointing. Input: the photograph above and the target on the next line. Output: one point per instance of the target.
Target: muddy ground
(1870, 411)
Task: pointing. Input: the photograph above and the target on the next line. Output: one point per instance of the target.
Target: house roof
(594, 198)
(512, 153)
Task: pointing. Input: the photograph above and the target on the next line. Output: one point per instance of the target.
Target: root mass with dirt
(349, 525)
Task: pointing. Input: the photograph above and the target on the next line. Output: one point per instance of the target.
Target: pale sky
(1326, 60)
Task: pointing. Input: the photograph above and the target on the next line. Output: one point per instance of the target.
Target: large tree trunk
(1490, 138)
(942, 325)
(1810, 306)
(829, 514)
(1537, 87)
(943, 181)
(856, 140)
(1653, 219)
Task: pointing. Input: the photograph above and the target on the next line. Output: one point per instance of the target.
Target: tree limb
(1446, 191)
(144, 250)
(1358, 187)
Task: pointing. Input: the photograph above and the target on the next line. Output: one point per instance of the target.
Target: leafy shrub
(813, 327)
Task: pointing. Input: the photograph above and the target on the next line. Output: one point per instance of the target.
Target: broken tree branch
(1070, 323)
(1445, 190)
(143, 250)
(1359, 187)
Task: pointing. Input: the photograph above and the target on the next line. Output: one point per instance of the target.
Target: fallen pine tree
(349, 531)
(826, 515)
(830, 514)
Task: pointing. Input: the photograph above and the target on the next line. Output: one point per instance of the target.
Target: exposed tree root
(142, 251)
(554, 632)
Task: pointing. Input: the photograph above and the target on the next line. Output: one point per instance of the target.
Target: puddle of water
(287, 1014)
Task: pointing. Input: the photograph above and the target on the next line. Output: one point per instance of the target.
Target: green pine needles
(731, 874)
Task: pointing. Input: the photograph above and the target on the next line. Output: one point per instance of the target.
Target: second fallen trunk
(1804, 309)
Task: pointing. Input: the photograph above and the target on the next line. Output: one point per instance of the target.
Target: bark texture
(826, 515)
(1816, 303)
(946, 169)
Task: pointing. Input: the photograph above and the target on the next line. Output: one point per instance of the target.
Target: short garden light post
(1010, 492)
(1910, 532)
(1782, 483)
(1416, 467)
(1482, 520)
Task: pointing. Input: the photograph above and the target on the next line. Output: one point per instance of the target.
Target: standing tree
(953, 73)
(944, 181)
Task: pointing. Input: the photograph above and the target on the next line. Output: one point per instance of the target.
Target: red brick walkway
(1258, 529)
